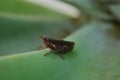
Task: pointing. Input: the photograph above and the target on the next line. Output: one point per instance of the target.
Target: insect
(58, 47)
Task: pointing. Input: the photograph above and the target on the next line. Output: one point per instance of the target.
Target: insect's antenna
(41, 37)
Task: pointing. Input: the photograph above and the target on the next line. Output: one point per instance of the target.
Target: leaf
(58, 6)
(91, 8)
(95, 57)
(23, 9)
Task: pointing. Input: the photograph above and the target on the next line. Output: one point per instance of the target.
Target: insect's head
(48, 42)
(45, 39)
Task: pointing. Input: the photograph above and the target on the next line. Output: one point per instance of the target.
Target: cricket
(59, 47)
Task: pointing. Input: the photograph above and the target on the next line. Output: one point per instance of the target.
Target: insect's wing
(68, 43)
(66, 46)
(61, 44)
(65, 43)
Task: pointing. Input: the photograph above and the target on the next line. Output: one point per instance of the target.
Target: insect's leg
(39, 47)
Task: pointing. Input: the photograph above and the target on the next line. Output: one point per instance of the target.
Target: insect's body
(60, 47)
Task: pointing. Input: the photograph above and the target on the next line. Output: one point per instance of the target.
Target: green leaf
(95, 57)
(34, 10)
(23, 10)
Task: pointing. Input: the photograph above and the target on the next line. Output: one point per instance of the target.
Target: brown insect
(59, 47)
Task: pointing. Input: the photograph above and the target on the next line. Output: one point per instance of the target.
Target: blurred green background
(97, 43)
